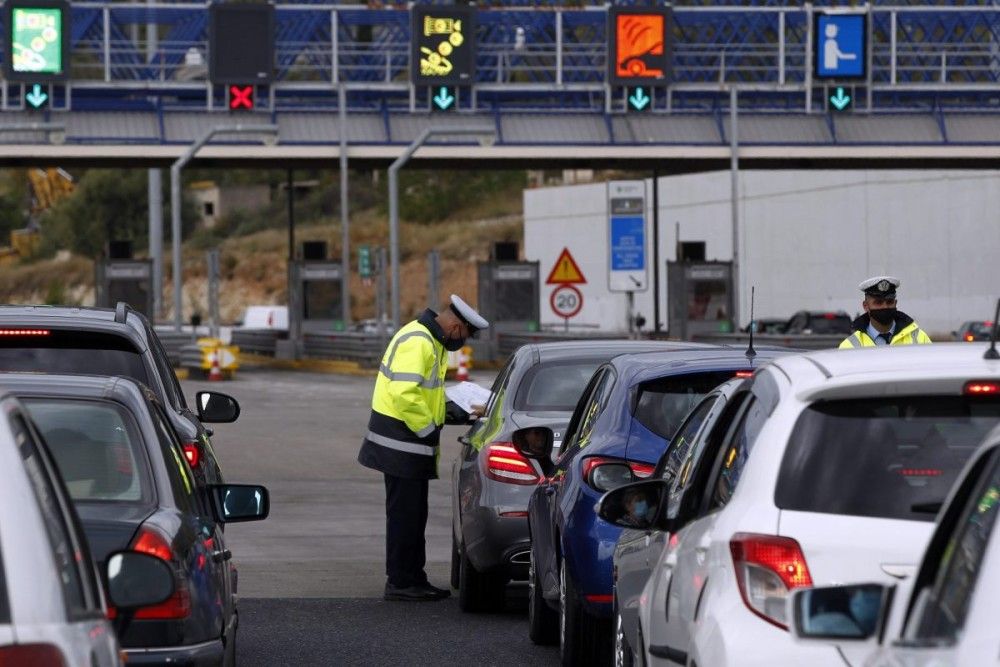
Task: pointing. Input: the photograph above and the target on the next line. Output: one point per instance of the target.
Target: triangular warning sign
(565, 271)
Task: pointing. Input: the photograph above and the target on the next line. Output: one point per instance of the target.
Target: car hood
(110, 527)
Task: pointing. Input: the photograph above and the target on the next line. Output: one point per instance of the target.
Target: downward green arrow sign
(840, 100)
(443, 99)
(36, 97)
(639, 99)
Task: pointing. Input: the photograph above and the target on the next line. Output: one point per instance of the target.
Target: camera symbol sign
(566, 301)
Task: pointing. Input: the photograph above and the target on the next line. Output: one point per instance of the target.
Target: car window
(737, 452)
(554, 386)
(585, 414)
(594, 408)
(893, 457)
(175, 397)
(81, 352)
(67, 552)
(680, 447)
(829, 323)
(662, 404)
(178, 471)
(500, 385)
(944, 606)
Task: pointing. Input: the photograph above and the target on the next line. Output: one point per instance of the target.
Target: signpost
(36, 41)
(566, 300)
(627, 266)
(443, 51)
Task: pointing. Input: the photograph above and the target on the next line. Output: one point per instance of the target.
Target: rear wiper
(927, 508)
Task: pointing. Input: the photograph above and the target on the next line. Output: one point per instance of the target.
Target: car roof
(122, 389)
(633, 368)
(920, 365)
(72, 317)
(603, 348)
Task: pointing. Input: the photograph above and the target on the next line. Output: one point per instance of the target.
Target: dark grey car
(492, 482)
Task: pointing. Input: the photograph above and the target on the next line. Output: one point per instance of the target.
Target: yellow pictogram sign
(565, 271)
(443, 42)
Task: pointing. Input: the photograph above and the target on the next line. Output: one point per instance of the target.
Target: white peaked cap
(467, 313)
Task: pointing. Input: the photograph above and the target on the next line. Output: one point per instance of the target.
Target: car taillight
(36, 655)
(151, 541)
(505, 464)
(192, 453)
(744, 374)
(767, 568)
(979, 388)
(24, 332)
(604, 474)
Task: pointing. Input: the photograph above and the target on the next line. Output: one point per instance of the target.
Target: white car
(944, 617)
(831, 468)
(52, 608)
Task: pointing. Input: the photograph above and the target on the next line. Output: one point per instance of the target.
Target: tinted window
(738, 449)
(663, 404)
(175, 396)
(592, 402)
(892, 457)
(554, 386)
(178, 470)
(72, 352)
(829, 323)
(97, 448)
(680, 447)
(946, 605)
(67, 557)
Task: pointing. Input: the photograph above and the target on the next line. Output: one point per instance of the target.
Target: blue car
(631, 408)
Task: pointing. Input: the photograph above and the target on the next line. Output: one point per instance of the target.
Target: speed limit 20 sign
(566, 301)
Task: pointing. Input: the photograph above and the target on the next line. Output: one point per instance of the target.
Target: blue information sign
(628, 243)
(839, 43)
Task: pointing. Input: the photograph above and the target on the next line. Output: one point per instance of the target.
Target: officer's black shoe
(421, 593)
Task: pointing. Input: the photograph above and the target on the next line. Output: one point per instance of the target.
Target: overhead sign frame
(442, 45)
(640, 45)
(628, 265)
(50, 22)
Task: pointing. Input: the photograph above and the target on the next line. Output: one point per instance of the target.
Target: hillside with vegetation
(460, 214)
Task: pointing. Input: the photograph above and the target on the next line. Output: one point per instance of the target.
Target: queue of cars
(139, 497)
(698, 488)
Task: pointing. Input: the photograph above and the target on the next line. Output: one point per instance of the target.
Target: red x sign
(240, 97)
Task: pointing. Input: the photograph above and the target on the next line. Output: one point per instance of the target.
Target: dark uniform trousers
(405, 520)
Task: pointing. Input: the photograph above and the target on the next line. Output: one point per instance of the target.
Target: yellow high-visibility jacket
(408, 404)
(908, 333)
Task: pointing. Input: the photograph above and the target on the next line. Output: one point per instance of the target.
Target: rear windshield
(981, 328)
(662, 405)
(97, 448)
(78, 352)
(554, 386)
(893, 458)
(830, 324)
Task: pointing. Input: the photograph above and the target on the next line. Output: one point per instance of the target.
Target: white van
(264, 317)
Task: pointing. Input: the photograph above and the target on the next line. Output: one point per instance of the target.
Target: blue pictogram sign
(840, 46)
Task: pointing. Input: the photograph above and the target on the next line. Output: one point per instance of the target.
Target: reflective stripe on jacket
(408, 404)
(911, 334)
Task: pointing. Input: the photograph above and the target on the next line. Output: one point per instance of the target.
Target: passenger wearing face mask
(408, 410)
(882, 323)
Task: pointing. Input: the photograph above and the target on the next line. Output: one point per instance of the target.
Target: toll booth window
(515, 300)
(81, 352)
(708, 300)
(321, 300)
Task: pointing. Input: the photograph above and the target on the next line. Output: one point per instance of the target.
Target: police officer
(408, 410)
(881, 323)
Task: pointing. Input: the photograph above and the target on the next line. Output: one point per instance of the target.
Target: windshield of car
(97, 447)
(662, 404)
(829, 323)
(81, 352)
(555, 386)
(892, 458)
(981, 329)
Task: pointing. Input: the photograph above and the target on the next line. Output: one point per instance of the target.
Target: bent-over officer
(882, 323)
(408, 410)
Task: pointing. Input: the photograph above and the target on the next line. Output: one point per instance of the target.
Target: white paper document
(467, 394)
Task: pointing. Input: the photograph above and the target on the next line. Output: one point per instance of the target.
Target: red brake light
(505, 464)
(976, 388)
(150, 541)
(830, 316)
(641, 470)
(767, 567)
(192, 453)
(24, 332)
(921, 472)
(969, 338)
(744, 374)
(36, 655)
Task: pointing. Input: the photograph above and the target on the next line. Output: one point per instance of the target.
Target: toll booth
(128, 280)
(700, 298)
(315, 296)
(508, 299)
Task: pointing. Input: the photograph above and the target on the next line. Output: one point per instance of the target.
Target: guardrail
(174, 343)
(799, 341)
(365, 349)
(257, 341)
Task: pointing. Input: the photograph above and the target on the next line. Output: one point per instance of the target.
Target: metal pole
(214, 275)
(734, 169)
(156, 238)
(656, 251)
(433, 273)
(290, 196)
(345, 219)
(808, 75)
(380, 299)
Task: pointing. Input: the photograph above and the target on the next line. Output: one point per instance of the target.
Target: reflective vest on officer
(908, 333)
(408, 405)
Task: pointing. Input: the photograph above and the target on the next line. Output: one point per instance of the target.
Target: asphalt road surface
(311, 575)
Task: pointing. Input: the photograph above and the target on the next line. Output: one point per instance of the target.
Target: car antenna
(992, 352)
(751, 353)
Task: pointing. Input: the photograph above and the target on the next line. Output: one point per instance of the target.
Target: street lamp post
(486, 134)
(175, 199)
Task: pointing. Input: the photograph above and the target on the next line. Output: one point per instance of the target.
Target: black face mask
(454, 344)
(884, 316)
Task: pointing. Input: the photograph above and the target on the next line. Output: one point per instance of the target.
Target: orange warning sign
(565, 271)
(639, 45)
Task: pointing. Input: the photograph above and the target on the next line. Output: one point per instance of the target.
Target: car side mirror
(240, 502)
(853, 613)
(138, 580)
(534, 442)
(635, 505)
(216, 408)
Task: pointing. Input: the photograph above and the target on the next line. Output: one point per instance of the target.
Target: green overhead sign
(37, 40)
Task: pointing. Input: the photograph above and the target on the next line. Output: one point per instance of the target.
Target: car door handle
(221, 555)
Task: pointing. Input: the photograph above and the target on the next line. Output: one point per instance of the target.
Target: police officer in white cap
(408, 410)
(882, 323)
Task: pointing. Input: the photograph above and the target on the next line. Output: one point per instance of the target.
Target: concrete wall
(806, 239)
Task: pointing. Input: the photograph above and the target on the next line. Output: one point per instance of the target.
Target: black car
(492, 483)
(972, 331)
(101, 341)
(133, 489)
(819, 322)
